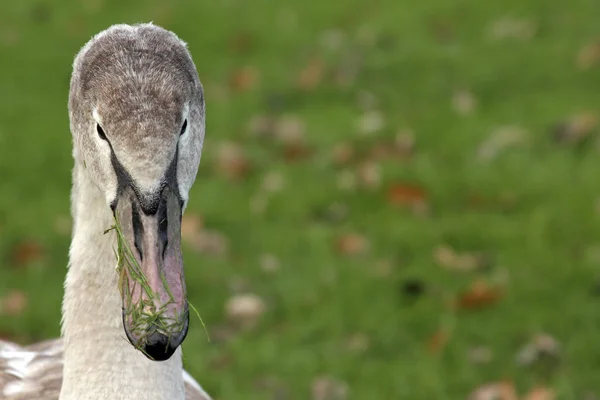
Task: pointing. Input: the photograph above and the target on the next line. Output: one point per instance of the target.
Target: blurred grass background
(404, 195)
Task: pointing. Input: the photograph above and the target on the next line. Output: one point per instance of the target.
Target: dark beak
(152, 284)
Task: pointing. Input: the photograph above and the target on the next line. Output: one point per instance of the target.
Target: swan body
(136, 110)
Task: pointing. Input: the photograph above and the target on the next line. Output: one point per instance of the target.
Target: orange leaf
(405, 195)
(27, 252)
(296, 152)
(479, 295)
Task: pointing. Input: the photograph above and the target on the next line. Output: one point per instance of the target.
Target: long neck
(99, 362)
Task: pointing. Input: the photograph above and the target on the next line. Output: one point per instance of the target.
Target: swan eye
(183, 128)
(101, 132)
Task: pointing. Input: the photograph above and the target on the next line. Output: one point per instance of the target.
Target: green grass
(547, 242)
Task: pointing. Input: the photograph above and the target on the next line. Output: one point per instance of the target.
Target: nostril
(138, 230)
(163, 227)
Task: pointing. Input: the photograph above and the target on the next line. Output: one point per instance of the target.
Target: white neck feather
(99, 361)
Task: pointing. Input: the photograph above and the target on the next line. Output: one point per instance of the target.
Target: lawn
(407, 194)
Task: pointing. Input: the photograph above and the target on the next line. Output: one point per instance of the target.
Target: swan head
(136, 110)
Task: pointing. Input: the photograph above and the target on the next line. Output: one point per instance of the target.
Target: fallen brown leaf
(541, 346)
(200, 239)
(273, 181)
(479, 295)
(540, 393)
(245, 310)
(327, 388)
(352, 244)
(369, 175)
(297, 152)
(577, 128)
(504, 390)
(26, 253)
(244, 79)
(289, 129)
(231, 161)
(499, 140)
(342, 154)
(448, 258)
(312, 74)
(589, 56)
(13, 303)
(402, 194)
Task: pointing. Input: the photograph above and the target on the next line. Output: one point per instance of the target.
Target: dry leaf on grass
(577, 128)
(449, 258)
(352, 244)
(369, 175)
(499, 140)
(589, 56)
(463, 102)
(504, 390)
(289, 129)
(295, 152)
(200, 239)
(245, 310)
(540, 393)
(407, 195)
(479, 295)
(26, 253)
(231, 160)
(327, 388)
(342, 154)
(311, 75)
(541, 346)
(273, 182)
(244, 79)
(13, 303)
